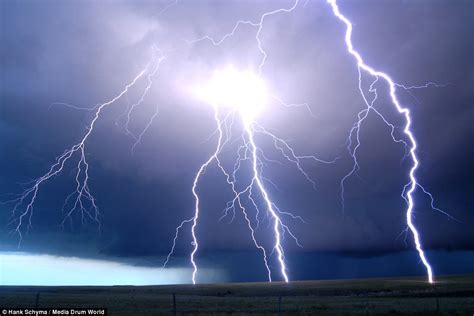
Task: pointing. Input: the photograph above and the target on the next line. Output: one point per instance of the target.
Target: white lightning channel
(82, 199)
(407, 130)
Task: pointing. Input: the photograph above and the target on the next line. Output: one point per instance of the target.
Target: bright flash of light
(242, 91)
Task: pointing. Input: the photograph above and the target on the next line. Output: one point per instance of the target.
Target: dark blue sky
(84, 53)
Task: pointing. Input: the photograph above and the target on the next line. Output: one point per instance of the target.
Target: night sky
(84, 52)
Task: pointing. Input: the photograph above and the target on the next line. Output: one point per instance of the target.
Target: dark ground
(451, 295)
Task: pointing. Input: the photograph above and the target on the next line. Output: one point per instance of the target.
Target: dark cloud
(83, 53)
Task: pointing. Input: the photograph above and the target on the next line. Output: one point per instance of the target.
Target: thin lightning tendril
(81, 199)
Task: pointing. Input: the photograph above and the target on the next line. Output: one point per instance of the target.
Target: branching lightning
(81, 199)
(255, 155)
(228, 105)
(236, 98)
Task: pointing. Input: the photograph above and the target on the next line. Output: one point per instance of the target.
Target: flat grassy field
(451, 295)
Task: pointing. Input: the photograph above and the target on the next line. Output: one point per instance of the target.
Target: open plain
(450, 295)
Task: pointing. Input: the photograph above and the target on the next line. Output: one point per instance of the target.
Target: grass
(453, 295)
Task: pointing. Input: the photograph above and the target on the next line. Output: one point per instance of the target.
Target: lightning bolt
(81, 199)
(248, 151)
(410, 145)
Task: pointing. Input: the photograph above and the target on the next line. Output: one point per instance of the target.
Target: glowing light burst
(242, 91)
(238, 97)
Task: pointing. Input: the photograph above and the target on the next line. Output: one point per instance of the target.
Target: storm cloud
(84, 53)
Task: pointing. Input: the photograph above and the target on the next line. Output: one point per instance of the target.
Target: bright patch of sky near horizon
(18, 268)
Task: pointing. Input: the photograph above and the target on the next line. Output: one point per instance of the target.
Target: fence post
(174, 304)
(366, 303)
(37, 299)
(279, 305)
